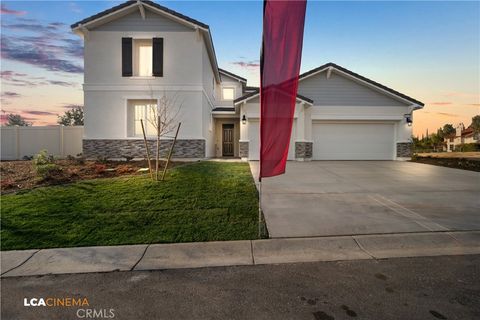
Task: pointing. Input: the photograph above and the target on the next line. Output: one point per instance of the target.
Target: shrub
(100, 168)
(467, 147)
(102, 159)
(44, 165)
(122, 169)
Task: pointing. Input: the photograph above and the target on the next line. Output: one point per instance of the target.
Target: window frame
(132, 121)
(234, 92)
(136, 57)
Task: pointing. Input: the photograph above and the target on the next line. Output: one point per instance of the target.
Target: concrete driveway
(325, 198)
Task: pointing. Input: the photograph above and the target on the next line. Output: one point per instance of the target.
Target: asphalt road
(406, 288)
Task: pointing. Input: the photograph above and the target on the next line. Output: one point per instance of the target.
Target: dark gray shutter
(157, 57)
(127, 70)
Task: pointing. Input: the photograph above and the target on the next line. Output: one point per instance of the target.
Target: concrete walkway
(230, 253)
(333, 198)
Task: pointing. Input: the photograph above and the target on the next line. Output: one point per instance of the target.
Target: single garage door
(353, 141)
(254, 141)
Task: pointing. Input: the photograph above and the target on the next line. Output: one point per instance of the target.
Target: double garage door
(340, 140)
(344, 140)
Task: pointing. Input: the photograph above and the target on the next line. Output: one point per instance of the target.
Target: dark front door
(227, 140)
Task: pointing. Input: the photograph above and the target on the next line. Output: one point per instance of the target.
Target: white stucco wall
(187, 76)
(106, 112)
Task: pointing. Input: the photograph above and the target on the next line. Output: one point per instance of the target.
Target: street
(446, 287)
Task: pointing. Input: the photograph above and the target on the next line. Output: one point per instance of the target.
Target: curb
(236, 253)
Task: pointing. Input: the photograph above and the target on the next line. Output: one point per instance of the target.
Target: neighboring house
(139, 51)
(462, 135)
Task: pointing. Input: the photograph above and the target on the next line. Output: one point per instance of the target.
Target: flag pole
(260, 207)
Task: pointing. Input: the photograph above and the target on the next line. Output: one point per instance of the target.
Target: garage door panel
(254, 141)
(353, 141)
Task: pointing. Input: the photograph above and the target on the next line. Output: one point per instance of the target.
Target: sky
(429, 50)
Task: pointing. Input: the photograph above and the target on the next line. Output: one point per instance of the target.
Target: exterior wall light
(244, 120)
(408, 119)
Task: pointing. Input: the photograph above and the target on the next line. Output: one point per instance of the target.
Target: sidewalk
(233, 253)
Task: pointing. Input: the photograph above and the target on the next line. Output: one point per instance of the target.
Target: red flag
(283, 23)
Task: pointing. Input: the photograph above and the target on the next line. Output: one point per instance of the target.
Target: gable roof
(232, 75)
(130, 3)
(370, 82)
(83, 24)
(256, 92)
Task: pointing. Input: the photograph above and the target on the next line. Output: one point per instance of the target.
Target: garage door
(353, 141)
(254, 141)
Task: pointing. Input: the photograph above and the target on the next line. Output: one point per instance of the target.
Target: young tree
(72, 117)
(16, 120)
(164, 118)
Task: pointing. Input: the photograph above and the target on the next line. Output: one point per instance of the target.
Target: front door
(227, 140)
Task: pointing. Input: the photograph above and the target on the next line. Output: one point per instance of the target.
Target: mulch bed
(471, 164)
(21, 175)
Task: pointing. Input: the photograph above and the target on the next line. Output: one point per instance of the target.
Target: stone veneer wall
(243, 149)
(102, 148)
(404, 149)
(303, 149)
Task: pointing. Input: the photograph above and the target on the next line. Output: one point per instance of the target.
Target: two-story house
(461, 136)
(139, 52)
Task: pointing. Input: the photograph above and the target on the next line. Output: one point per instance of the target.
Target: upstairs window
(142, 57)
(228, 93)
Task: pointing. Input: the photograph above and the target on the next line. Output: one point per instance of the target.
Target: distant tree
(16, 120)
(476, 124)
(448, 129)
(72, 117)
(436, 141)
(440, 133)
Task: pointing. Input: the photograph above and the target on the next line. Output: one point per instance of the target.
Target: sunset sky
(428, 50)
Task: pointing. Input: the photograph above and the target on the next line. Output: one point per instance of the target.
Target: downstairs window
(142, 110)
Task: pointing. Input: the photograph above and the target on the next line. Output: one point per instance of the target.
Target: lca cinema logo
(84, 311)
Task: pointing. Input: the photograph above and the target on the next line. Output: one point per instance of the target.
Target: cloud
(8, 74)
(45, 45)
(10, 94)
(35, 27)
(247, 64)
(446, 114)
(440, 103)
(46, 56)
(474, 104)
(39, 113)
(5, 10)
(462, 94)
(23, 80)
(71, 106)
(74, 7)
(62, 83)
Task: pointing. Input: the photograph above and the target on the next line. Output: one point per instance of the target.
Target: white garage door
(353, 141)
(254, 141)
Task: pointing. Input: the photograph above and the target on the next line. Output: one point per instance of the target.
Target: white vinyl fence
(60, 141)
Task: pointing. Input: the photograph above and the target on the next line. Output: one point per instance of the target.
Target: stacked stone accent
(243, 146)
(303, 150)
(404, 149)
(100, 148)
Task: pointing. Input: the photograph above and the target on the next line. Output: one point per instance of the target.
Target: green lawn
(197, 202)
